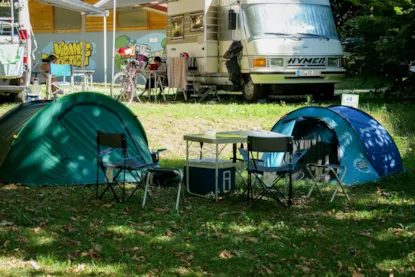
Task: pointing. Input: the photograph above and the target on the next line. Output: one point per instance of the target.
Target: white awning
(108, 4)
(76, 5)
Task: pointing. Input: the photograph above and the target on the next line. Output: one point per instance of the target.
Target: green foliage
(386, 29)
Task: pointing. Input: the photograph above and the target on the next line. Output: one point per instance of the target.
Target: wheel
(140, 81)
(20, 97)
(12, 98)
(122, 88)
(252, 92)
(324, 92)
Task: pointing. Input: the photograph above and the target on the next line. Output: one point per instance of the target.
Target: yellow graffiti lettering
(71, 53)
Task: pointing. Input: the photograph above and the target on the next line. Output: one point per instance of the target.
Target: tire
(324, 92)
(122, 88)
(12, 98)
(20, 97)
(251, 92)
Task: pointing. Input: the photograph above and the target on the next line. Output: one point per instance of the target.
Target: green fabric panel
(13, 121)
(58, 145)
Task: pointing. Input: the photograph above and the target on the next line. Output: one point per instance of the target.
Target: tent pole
(83, 50)
(113, 41)
(105, 52)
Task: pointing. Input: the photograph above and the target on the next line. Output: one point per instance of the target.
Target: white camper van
(288, 46)
(15, 49)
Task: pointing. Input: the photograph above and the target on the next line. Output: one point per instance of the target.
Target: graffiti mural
(70, 52)
(156, 42)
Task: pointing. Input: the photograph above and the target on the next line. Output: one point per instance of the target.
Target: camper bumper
(292, 77)
(10, 88)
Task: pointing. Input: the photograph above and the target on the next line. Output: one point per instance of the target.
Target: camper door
(211, 38)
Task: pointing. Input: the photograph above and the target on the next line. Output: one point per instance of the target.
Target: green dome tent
(54, 142)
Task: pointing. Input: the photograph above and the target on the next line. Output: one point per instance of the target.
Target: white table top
(84, 71)
(232, 136)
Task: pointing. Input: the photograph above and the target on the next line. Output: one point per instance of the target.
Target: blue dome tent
(353, 139)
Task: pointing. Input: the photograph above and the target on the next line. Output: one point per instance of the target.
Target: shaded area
(372, 235)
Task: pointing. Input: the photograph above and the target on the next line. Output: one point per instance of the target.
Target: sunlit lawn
(66, 232)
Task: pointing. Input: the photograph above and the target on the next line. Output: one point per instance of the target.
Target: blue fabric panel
(275, 159)
(61, 69)
(352, 152)
(379, 145)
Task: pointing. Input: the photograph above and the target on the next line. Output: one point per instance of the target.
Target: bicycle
(124, 84)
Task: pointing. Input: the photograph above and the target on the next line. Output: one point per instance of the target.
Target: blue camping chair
(115, 172)
(257, 167)
(61, 70)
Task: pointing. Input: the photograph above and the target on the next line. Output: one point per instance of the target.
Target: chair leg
(275, 197)
(314, 185)
(179, 189)
(97, 184)
(146, 188)
(339, 184)
(261, 195)
(290, 195)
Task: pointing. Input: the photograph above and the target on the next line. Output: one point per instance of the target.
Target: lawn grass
(66, 232)
(357, 82)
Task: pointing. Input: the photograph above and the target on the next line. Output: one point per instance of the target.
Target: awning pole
(113, 41)
(83, 50)
(105, 52)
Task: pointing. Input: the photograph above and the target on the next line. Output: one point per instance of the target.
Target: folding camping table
(86, 74)
(220, 140)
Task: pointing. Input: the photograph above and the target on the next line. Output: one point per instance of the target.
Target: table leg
(234, 152)
(187, 166)
(155, 87)
(290, 194)
(216, 172)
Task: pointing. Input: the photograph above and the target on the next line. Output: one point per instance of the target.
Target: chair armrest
(254, 163)
(334, 166)
(105, 151)
(297, 156)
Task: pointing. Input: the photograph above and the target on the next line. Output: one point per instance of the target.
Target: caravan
(15, 48)
(261, 47)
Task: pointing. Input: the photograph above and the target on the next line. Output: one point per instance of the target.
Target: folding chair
(61, 70)
(175, 171)
(257, 167)
(127, 164)
(334, 170)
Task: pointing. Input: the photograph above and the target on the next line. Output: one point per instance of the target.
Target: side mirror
(231, 20)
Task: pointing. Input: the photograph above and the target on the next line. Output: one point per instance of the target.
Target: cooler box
(202, 176)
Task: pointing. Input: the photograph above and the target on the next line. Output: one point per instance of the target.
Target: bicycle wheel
(121, 87)
(140, 81)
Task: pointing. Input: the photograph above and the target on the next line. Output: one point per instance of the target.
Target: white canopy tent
(86, 10)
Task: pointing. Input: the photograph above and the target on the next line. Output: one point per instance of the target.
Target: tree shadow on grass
(63, 228)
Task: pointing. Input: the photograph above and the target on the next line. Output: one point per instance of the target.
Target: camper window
(270, 20)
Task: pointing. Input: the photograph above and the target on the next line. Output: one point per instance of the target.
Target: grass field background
(66, 232)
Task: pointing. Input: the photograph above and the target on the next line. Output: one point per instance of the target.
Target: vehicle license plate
(308, 73)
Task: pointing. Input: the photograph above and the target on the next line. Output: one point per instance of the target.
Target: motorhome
(15, 49)
(287, 46)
